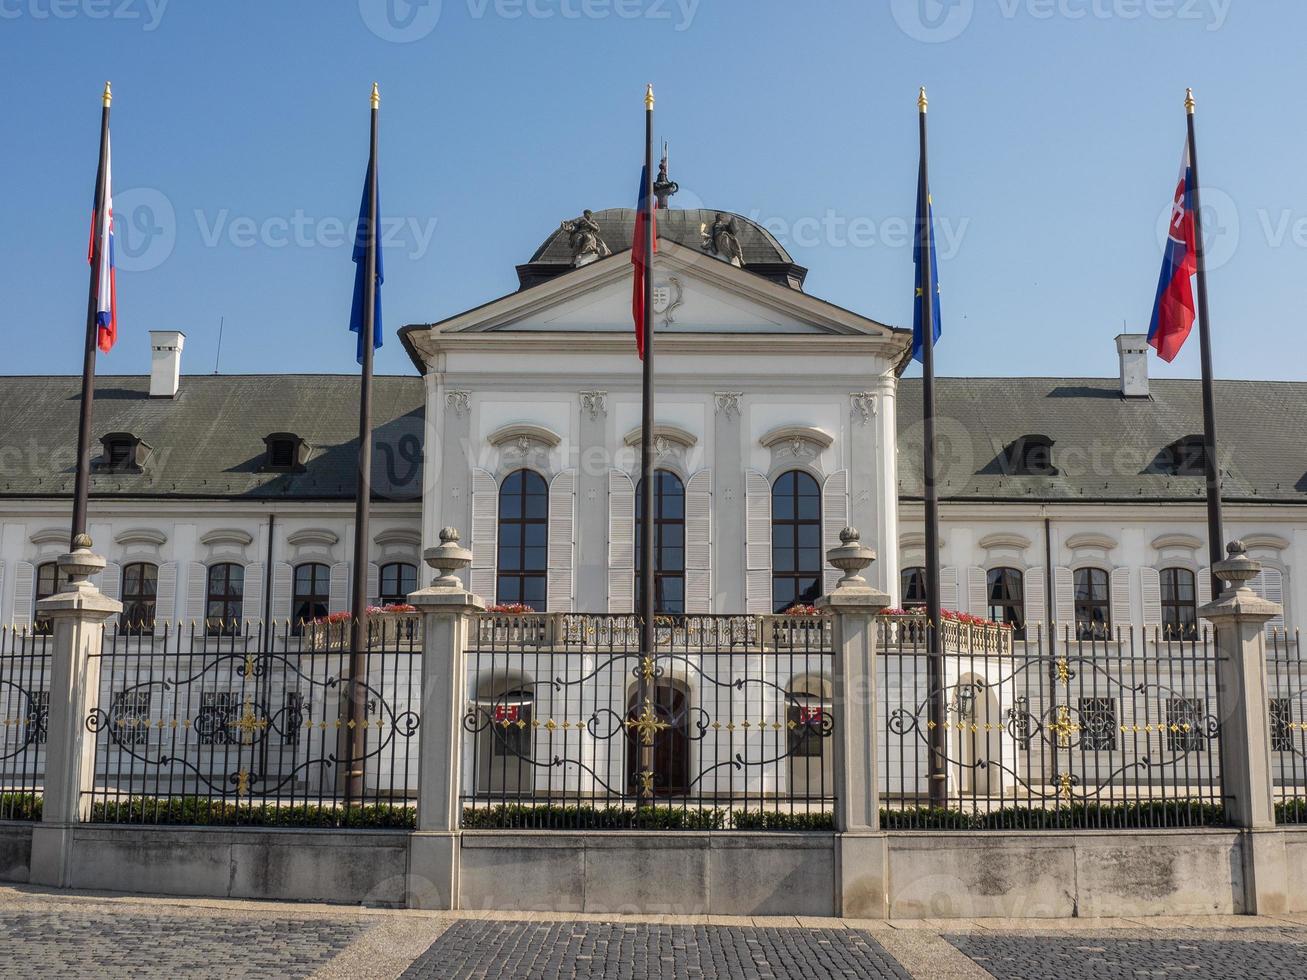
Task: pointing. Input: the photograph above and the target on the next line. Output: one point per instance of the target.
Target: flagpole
(81, 485)
(648, 552)
(1215, 535)
(358, 661)
(938, 785)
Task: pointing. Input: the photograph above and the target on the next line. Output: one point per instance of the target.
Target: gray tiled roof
(1104, 446)
(617, 225)
(208, 442)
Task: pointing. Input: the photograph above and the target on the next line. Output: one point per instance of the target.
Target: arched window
(398, 579)
(795, 540)
(140, 590)
(669, 543)
(912, 585)
(1179, 604)
(312, 594)
(523, 539)
(671, 748)
(1007, 598)
(1093, 604)
(225, 593)
(48, 581)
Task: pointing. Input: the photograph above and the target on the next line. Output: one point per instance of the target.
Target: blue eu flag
(356, 323)
(924, 221)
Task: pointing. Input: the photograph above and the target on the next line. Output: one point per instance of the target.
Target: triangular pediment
(694, 293)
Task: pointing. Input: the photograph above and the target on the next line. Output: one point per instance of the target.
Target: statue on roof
(585, 240)
(723, 240)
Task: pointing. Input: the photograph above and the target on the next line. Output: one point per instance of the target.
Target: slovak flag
(106, 302)
(640, 259)
(1173, 311)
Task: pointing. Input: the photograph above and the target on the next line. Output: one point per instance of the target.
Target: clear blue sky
(1056, 126)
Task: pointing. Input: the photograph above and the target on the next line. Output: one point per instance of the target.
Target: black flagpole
(649, 549)
(358, 661)
(81, 486)
(938, 774)
(1215, 534)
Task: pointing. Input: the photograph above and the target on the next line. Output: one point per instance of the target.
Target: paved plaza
(67, 934)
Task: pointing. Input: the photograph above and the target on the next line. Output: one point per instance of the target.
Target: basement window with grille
(285, 453)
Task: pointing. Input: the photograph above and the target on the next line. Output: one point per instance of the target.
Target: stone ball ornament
(852, 557)
(448, 558)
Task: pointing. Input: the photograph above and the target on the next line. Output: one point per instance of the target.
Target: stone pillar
(78, 613)
(448, 616)
(1239, 617)
(860, 847)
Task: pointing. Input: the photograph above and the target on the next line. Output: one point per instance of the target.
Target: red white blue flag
(640, 259)
(106, 301)
(1173, 311)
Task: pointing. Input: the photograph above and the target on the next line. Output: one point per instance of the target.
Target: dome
(763, 254)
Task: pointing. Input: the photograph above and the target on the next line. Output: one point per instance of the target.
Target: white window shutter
(562, 542)
(698, 543)
(2, 590)
(1036, 599)
(1203, 586)
(1150, 591)
(252, 598)
(338, 588)
(834, 519)
(165, 599)
(283, 591)
(1119, 586)
(197, 584)
(24, 592)
(757, 543)
(374, 583)
(621, 543)
(978, 591)
(485, 531)
(111, 580)
(1270, 586)
(1064, 599)
(949, 598)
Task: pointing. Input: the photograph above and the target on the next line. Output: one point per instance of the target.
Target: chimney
(1133, 349)
(165, 362)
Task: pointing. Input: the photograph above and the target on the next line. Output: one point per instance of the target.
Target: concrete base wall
(925, 875)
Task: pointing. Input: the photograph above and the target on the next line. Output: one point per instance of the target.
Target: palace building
(781, 419)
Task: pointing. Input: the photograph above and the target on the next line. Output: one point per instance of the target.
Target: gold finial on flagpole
(1189, 102)
(108, 95)
(922, 101)
(376, 96)
(649, 98)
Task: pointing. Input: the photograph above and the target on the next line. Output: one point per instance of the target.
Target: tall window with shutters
(1006, 589)
(398, 579)
(796, 558)
(48, 581)
(139, 595)
(1179, 604)
(312, 596)
(669, 543)
(224, 599)
(523, 540)
(912, 585)
(1093, 604)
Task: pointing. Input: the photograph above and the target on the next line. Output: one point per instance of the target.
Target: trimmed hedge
(20, 806)
(1154, 814)
(524, 816)
(1291, 811)
(194, 811)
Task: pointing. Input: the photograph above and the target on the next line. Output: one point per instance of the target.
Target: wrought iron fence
(1120, 731)
(258, 727)
(1287, 682)
(24, 711)
(727, 725)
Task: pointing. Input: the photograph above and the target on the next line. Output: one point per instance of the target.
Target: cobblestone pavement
(58, 934)
(1265, 955)
(557, 950)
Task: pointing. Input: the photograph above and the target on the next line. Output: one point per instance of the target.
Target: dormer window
(1186, 457)
(1031, 455)
(123, 453)
(285, 453)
